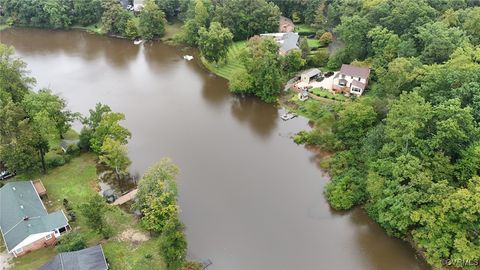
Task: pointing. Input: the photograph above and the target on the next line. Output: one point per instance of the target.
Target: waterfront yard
(232, 63)
(76, 181)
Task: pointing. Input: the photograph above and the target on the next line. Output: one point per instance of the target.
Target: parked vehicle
(4, 175)
(329, 74)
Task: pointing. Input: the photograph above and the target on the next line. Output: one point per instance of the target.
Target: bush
(326, 38)
(346, 190)
(73, 150)
(71, 242)
(192, 266)
(85, 136)
(320, 58)
(53, 159)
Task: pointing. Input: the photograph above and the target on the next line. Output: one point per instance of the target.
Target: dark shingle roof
(22, 213)
(358, 84)
(86, 259)
(355, 71)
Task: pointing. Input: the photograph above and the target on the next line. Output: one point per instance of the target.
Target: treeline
(409, 150)
(109, 15)
(29, 120)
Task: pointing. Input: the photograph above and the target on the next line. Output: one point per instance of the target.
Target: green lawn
(3, 26)
(313, 43)
(304, 29)
(232, 63)
(76, 181)
(94, 28)
(326, 94)
(171, 29)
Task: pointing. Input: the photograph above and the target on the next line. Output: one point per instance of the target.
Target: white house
(351, 79)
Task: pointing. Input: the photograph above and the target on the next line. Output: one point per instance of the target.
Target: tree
(115, 156)
(384, 44)
(439, 41)
(470, 26)
(20, 144)
(47, 107)
(353, 31)
(246, 18)
(109, 127)
(152, 21)
(58, 13)
(197, 17)
(326, 38)
(157, 195)
(293, 62)
(71, 241)
(14, 81)
(354, 121)
(131, 29)
(263, 73)
(94, 212)
(320, 58)
(87, 12)
(214, 42)
(114, 18)
(173, 243)
(304, 47)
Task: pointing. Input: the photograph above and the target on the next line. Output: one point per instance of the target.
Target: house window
(62, 230)
(18, 250)
(48, 237)
(357, 90)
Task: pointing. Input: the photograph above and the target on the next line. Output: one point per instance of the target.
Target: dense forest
(408, 151)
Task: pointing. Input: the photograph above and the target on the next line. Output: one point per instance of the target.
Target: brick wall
(40, 243)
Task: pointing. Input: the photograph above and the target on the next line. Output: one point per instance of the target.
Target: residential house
(309, 74)
(25, 224)
(286, 41)
(351, 79)
(91, 258)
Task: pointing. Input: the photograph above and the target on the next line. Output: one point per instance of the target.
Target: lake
(251, 198)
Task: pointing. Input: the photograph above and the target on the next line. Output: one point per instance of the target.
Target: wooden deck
(39, 187)
(125, 198)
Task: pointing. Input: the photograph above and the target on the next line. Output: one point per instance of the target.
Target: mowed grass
(232, 63)
(123, 256)
(76, 182)
(313, 43)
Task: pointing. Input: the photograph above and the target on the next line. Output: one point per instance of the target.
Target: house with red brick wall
(25, 224)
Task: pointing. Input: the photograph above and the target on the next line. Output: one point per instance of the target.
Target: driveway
(5, 259)
(327, 83)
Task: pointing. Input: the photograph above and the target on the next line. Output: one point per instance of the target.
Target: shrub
(73, 150)
(346, 190)
(320, 58)
(71, 242)
(192, 266)
(326, 38)
(85, 136)
(53, 159)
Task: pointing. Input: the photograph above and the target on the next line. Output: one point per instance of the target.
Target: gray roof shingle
(86, 259)
(355, 71)
(22, 213)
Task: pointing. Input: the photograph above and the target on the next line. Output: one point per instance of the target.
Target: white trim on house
(104, 259)
(31, 239)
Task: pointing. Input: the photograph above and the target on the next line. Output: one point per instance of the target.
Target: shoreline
(282, 101)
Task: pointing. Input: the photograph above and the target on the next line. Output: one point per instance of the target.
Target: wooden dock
(125, 198)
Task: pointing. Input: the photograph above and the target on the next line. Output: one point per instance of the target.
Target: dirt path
(5, 259)
(286, 25)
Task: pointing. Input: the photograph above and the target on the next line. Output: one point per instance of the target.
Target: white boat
(137, 42)
(288, 116)
(188, 57)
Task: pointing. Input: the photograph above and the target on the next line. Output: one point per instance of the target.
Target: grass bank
(232, 63)
(94, 28)
(76, 182)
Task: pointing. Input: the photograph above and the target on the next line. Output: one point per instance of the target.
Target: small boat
(137, 42)
(287, 116)
(188, 57)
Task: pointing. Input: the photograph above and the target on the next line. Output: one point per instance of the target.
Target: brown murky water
(251, 199)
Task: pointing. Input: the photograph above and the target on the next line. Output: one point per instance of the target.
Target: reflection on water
(251, 199)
